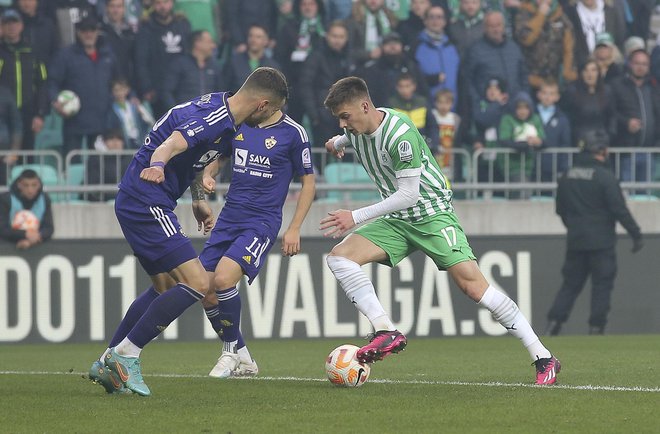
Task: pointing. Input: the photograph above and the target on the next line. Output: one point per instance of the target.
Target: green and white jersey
(396, 150)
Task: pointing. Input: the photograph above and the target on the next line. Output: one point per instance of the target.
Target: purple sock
(165, 309)
(214, 317)
(133, 314)
(229, 304)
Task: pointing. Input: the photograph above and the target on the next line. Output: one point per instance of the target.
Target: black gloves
(638, 243)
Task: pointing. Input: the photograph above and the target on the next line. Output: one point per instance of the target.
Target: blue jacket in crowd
(438, 57)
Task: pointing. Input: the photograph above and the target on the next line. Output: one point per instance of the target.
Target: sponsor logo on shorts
(239, 137)
(248, 259)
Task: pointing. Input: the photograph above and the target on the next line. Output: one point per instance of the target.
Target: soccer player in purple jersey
(265, 160)
(180, 144)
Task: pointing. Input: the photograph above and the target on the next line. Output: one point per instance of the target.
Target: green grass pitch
(608, 384)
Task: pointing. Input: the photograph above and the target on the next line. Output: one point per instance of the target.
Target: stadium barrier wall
(77, 290)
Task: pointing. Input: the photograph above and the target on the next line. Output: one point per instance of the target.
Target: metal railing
(483, 174)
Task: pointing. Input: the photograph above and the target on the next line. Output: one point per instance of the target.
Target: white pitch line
(587, 387)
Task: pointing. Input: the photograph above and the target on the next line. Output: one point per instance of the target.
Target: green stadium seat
(48, 174)
(350, 173)
(75, 175)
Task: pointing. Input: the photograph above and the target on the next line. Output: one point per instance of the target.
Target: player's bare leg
(471, 281)
(345, 261)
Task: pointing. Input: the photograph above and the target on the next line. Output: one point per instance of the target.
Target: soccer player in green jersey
(416, 213)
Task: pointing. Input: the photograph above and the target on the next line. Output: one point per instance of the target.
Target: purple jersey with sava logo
(264, 162)
(206, 124)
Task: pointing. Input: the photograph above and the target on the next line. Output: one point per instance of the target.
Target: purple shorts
(248, 246)
(154, 234)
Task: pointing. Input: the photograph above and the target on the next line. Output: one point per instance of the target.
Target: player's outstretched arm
(291, 238)
(341, 221)
(172, 146)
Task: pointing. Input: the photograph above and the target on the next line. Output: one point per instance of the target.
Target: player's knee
(221, 281)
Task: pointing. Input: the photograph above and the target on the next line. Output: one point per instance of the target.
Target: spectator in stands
(133, 10)
(410, 28)
(370, 20)
(588, 103)
(107, 169)
(304, 32)
(242, 64)
(545, 35)
(39, 30)
(437, 57)
(202, 14)
(284, 14)
(193, 74)
(608, 57)
(382, 74)
(26, 217)
(118, 34)
(338, 9)
(66, 14)
(633, 44)
(162, 38)
(408, 101)
(467, 27)
(86, 68)
(637, 107)
(242, 15)
(522, 131)
(129, 115)
(487, 115)
(637, 15)
(321, 70)
(23, 72)
(557, 130)
(11, 132)
(495, 55)
(445, 124)
(589, 18)
(655, 60)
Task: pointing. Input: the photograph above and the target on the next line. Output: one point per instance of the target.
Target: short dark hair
(112, 134)
(267, 80)
(194, 37)
(406, 76)
(28, 174)
(594, 141)
(346, 90)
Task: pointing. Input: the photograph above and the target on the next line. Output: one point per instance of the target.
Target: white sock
(128, 349)
(244, 355)
(360, 291)
(229, 347)
(105, 353)
(507, 313)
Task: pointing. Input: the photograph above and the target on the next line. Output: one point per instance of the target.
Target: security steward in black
(590, 202)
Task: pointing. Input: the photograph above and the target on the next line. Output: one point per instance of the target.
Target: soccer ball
(24, 220)
(70, 102)
(343, 368)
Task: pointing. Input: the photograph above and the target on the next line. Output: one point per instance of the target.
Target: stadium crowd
(471, 74)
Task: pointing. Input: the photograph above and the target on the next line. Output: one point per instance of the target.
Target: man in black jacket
(590, 202)
(23, 72)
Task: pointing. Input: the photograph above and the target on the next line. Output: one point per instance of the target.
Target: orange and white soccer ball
(343, 368)
(24, 220)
